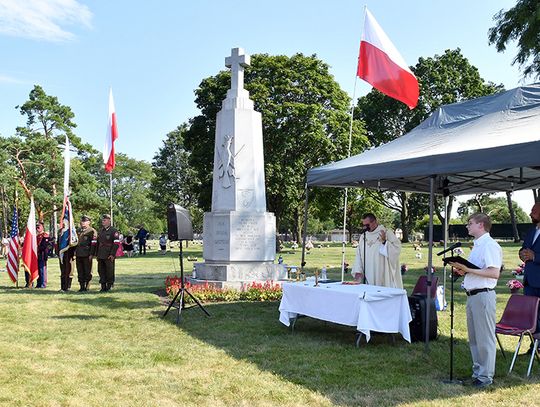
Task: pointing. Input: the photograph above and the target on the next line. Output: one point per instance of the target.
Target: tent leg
(303, 263)
(430, 258)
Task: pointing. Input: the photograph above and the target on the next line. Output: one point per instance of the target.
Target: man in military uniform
(84, 252)
(107, 244)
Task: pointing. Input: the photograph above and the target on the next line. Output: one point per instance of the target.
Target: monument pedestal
(239, 236)
(237, 274)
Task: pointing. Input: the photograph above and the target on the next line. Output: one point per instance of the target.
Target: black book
(460, 260)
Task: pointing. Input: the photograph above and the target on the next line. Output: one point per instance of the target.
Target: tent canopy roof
(482, 145)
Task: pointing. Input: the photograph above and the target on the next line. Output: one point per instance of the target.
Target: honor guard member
(85, 251)
(107, 245)
(66, 258)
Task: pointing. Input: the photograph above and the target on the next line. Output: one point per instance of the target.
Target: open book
(460, 260)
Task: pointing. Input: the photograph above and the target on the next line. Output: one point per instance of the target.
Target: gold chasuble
(382, 260)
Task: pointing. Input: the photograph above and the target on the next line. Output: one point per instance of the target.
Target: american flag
(12, 265)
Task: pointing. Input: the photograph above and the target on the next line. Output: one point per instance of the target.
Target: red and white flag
(112, 135)
(29, 251)
(381, 65)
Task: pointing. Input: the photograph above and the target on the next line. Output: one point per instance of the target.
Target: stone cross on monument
(238, 234)
(237, 62)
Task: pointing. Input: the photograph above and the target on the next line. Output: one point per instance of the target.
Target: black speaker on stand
(179, 228)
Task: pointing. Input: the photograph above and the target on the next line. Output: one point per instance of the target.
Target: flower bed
(267, 291)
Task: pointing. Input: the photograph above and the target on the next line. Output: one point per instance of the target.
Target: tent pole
(343, 240)
(303, 263)
(430, 257)
(446, 201)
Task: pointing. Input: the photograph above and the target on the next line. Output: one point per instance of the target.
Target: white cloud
(8, 79)
(42, 19)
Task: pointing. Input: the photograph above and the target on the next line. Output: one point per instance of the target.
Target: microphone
(452, 247)
(363, 230)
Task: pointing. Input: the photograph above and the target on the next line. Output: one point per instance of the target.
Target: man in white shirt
(481, 301)
(381, 248)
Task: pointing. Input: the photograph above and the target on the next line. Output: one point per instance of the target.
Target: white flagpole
(67, 166)
(348, 155)
(111, 190)
(346, 189)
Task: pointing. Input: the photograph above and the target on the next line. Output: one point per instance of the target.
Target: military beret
(106, 216)
(85, 218)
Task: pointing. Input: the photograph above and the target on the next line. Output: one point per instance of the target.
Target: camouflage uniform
(107, 244)
(84, 252)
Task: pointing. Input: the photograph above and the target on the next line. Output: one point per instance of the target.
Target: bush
(268, 291)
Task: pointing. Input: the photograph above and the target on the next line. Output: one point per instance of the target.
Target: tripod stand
(182, 293)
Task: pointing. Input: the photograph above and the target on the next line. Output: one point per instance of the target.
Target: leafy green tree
(443, 79)
(132, 203)
(175, 180)
(495, 207)
(522, 24)
(36, 151)
(305, 124)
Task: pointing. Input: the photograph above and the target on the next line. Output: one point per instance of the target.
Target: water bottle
(323, 273)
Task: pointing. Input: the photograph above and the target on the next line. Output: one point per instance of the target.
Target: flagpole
(18, 235)
(348, 155)
(111, 191)
(343, 244)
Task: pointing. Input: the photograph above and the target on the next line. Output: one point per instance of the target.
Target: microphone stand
(451, 380)
(364, 280)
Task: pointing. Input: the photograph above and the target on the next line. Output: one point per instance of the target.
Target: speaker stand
(182, 293)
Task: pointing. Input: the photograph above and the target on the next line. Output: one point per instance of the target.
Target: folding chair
(518, 319)
(421, 286)
(535, 352)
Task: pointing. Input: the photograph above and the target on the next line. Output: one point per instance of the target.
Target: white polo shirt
(485, 253)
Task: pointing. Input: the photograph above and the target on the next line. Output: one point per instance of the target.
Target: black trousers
(84, 269)
(106, 271)
(66, 273)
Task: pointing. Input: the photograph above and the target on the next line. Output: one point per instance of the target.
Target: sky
(155, 54)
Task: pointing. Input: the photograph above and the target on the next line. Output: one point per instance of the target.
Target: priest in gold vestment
(382, 249)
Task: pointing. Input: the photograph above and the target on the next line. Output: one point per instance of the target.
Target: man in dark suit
(530, 254)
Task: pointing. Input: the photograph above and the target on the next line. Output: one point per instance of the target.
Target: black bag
(418, 304)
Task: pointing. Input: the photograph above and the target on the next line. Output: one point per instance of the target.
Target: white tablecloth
(366, 307)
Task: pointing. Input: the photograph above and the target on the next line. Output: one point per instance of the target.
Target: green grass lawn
(115, 349)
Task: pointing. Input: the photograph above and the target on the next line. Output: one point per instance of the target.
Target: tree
(443, 79)
(496, 208)
(175, 181)
(521, 23)
(305, 124)
(36, 150)
(132, 204)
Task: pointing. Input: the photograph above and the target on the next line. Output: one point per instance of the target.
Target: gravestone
(239, 243)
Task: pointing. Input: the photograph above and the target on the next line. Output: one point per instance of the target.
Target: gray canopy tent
(488, 144)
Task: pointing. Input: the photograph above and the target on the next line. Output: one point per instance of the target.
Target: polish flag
(382, 66)
(112, 135)
(29, 251)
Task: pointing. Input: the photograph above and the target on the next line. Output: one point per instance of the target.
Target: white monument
(238, 234)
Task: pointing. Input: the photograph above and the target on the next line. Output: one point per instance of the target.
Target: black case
(418, 304)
